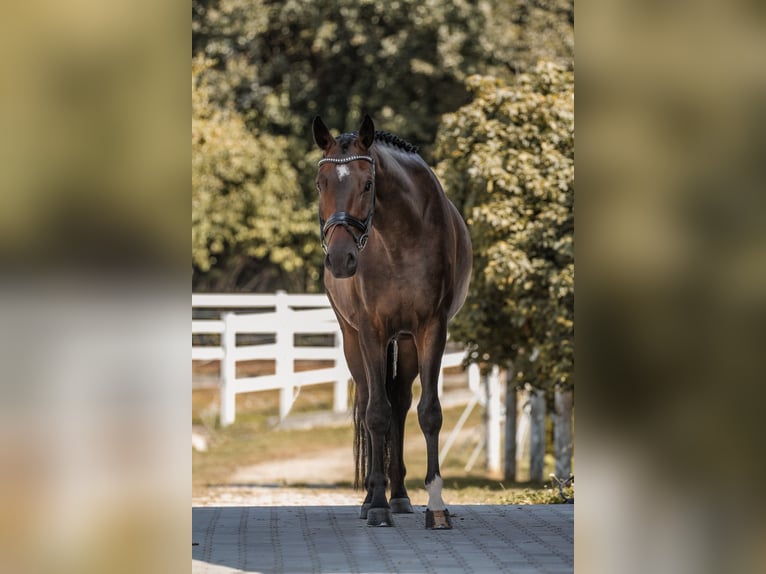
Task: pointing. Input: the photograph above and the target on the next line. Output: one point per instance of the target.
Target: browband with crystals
(345, 159)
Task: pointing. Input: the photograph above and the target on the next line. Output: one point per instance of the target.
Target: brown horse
(397, 265)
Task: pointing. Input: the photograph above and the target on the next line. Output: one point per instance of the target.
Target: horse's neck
(399, 200)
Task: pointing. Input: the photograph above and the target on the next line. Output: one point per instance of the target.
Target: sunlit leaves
(507, 160)
(245, 198)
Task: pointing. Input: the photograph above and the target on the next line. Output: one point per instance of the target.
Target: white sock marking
(435, 501)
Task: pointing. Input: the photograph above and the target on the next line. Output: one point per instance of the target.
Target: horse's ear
(367, 131)
(322, 135)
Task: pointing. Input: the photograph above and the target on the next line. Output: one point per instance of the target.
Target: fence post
(284, 362)
(509, 470)
(474, 377)
(537, 435)
(523, 408)
(340, 392)
(562, 432)
(493, 420)
(228, 370)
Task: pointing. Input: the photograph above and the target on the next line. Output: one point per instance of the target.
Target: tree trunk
(562, 432)
(509, 468)
(537, 436)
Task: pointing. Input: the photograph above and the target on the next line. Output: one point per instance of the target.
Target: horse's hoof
(365, 508)
(438, 520)
(401, 506)
(379, 517)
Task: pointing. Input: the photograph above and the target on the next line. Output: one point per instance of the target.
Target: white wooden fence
(281, 318)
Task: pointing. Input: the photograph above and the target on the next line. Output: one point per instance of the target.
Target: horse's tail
(361, 448)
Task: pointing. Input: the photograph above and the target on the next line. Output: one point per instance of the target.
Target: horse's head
(346, 186)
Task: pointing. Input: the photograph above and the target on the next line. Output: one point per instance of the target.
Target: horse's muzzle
(341, 262)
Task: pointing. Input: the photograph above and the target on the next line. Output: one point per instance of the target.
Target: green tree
(246, 204)
(405, 62)
(520, 33)
(507, 161)
(281, 63)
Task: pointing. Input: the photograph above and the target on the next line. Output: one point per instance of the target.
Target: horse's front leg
(378, 421)
(431, 343)
(355, 364)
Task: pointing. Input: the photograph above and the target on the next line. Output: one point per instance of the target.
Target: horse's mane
(395, 141)
(384, 137)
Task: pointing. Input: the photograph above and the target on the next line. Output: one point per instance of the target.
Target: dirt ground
(266, 484)
(323, 469)
(311, 480)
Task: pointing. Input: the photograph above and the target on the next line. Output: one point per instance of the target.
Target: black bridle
(344, 218)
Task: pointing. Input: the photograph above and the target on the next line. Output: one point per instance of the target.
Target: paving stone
(535, 539)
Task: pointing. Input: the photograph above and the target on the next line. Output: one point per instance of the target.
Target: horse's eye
(368, 185)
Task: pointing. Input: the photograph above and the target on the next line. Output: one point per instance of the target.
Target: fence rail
(284, 319)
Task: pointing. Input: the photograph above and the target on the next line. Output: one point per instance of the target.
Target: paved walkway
(301, 539)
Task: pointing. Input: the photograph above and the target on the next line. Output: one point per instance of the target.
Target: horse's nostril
(350, 261)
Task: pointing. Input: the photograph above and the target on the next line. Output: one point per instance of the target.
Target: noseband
(346, 219)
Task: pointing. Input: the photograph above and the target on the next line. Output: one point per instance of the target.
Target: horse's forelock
(345, 141)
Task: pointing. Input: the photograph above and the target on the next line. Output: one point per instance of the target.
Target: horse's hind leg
(431, 343)
(400, 395)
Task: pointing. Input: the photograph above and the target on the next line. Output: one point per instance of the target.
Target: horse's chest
(399, 305)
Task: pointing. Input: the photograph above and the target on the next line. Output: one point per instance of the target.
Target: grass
(255, 438)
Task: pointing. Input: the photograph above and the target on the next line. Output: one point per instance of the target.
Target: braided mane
(383, 137)
(395, 141)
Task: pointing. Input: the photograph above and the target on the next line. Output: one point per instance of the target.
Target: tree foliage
(281, 63)
(245, 200)
(507, 160)
(403, 61)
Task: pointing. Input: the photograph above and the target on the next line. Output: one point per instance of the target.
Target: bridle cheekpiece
(344, 218)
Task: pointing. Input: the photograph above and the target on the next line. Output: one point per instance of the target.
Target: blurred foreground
(93, 429)
(671, 249)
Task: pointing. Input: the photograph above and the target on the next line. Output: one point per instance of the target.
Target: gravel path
(277, 496)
